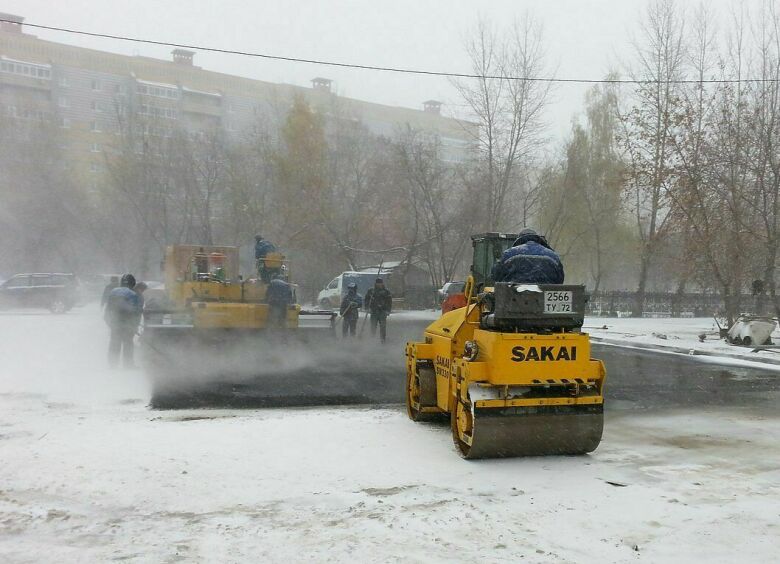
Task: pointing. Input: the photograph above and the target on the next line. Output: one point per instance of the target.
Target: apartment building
(88, 93)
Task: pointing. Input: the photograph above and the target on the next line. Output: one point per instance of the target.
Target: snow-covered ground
(679, 335)
(89, 474)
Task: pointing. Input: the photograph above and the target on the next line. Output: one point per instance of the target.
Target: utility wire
(399, 70)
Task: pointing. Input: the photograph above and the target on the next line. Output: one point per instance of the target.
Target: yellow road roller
(512, 370)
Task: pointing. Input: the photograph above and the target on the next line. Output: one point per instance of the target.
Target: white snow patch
(89, 474)
(682, 336)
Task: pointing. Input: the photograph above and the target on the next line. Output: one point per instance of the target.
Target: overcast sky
(584, 39)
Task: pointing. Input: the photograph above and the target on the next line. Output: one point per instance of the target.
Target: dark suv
(57, 292)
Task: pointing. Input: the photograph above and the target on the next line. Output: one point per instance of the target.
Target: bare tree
(508, 106)
(659, 59)
(765, 158)
(439, 202)
(707, 205)
(42, 211)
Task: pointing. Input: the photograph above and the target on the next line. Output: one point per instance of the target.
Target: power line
(399, 70)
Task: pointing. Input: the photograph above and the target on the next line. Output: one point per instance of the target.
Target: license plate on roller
(558, 302)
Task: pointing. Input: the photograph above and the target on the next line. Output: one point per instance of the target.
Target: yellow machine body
(504, 360)
(221, 315)
(227, 303)
(519, 394)
(513, 373)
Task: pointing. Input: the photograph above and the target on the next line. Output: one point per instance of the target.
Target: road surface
(686, 472)
(363, 372)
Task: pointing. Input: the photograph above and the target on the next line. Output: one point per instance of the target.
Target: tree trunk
(639, 303)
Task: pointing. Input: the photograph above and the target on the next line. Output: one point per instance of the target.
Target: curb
(684, 350)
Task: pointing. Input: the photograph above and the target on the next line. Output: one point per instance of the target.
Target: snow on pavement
(679, 334)
(90, 474)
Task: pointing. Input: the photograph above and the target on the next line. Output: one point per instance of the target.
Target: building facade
(89, 95)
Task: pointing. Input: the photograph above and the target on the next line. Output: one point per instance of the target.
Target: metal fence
(660, 304)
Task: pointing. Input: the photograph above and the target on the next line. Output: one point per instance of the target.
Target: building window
(158, 91)
(158, 112)
(96, 84)
(94, 126)
(94, 167)
(64, 123)
(63, 102)
(98, 106)
(94, 148)
(25, 69)
(63, 82)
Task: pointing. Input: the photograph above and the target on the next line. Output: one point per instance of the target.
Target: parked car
(330, 296)
(452, 296)
(57, 292)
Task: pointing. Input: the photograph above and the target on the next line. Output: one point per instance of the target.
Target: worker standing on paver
(263, 248)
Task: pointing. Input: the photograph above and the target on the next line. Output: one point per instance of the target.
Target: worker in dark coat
(379, 302)
(530, 260)
(350, 310)
(112, 283)
(123, 313)
(279, 296)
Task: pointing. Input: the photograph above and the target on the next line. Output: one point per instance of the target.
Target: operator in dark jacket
(350, 310)
(262, 248)
(530, 261)
(123, 313)
(379, 301)
(278, 296)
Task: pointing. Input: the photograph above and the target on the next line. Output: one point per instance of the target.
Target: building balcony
(19, 81)
(193, 107)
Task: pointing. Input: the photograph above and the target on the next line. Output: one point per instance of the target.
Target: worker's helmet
(379, 281)
(352, 286)
(128, 281)
(258, 237)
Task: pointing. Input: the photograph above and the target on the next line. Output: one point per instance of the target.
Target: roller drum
(499, 433)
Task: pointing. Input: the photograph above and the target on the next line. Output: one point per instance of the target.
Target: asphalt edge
(714, 356)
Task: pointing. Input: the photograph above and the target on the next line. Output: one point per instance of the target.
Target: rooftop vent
(183, 57)
(11, 23)
(322, 84)
(432, 107)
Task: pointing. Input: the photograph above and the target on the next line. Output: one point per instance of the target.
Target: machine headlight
(470, 351)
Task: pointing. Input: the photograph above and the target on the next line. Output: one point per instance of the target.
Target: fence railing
(661, 304)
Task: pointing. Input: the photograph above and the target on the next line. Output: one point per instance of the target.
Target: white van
(330, 296)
